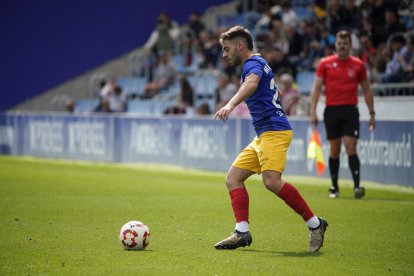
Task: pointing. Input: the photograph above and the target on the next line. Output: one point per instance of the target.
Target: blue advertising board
(201, 143)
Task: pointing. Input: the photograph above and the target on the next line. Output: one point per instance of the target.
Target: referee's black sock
(334, 170)
(354, 166)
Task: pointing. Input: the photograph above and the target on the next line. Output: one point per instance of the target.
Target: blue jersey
(264, 104)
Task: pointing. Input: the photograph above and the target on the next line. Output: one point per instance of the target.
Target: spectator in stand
(162, 39)
(287, 13)
(117, 100)
(410, 20)
(203, 109)
(225, 90)
(337, 16)
(163, 77)
(210, 48)
(327, 40)
(392, 23)
(195, 24)
(280, 63)
(186, 49)
(290, 94)
(380, 62)
(407, 60)
(107, 87)
(277, 34)
(248, 12)
(368, 51)
(366, 7)
(353, 15)
(103, 106)
(262, 40)
(262, 25)
(69, 105)
(185, 100)
(311, 37)
(376, 32)
(393, 70)
(296, 43)
(377, 12)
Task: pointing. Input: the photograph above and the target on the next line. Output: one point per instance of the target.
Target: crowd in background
(382, 37)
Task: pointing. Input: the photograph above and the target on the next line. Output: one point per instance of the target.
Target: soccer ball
(134, 235)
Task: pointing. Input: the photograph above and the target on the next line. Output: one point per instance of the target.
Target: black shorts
(341, 120)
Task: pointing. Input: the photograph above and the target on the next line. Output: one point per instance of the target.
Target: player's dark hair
(238, 32)
(344, 35)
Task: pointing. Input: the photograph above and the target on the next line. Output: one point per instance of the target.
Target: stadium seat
(304, 81)
(86, 105)
(132, 86)
(139, 106)
(302, 12)
(177, 61)
(161, 105)
(179, 64)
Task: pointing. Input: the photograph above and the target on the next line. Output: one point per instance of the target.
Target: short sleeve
(320, 70)
(252, 66)
(362, 73)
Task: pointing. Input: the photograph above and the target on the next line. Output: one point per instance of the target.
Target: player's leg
(291, 196)
(239, 196)
(333, 132)
(273, 148)
(244, 166)
(351, 135)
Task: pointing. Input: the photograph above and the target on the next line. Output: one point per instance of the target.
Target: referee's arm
(315, 94)
(369, 100)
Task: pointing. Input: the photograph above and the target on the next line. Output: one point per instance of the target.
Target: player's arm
(247, 88)
(369, 100)
(315, 94)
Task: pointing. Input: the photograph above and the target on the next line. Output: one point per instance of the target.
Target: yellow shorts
(266, 152)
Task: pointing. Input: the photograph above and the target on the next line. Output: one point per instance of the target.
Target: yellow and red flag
(315, 152)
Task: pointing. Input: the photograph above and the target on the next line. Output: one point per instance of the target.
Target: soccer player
(341, 73)
(266, 154)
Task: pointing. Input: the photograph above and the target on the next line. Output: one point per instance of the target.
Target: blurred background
(163, 57)
(138, 81)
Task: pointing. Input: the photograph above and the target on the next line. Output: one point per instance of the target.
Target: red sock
(295, 201)
(240, 203)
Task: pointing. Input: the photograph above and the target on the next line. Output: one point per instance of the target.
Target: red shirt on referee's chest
(341, 79)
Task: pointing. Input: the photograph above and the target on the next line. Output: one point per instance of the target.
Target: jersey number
(276, 96)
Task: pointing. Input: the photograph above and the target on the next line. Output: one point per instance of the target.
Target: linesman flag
(315, 152)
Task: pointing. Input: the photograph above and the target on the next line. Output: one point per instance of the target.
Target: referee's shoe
(333, 192)
(359, 192)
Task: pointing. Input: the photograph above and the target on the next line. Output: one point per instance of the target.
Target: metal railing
(393, 89)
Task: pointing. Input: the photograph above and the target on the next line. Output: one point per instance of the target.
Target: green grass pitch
(64, 218)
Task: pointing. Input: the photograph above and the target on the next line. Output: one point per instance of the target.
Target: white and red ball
(134, 235)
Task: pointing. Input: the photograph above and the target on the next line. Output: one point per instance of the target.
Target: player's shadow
(301, 254)
(375, 199)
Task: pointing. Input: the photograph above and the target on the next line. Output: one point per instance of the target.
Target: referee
(341, 73)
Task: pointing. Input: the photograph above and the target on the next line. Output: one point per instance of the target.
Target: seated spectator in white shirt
(117, 100)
